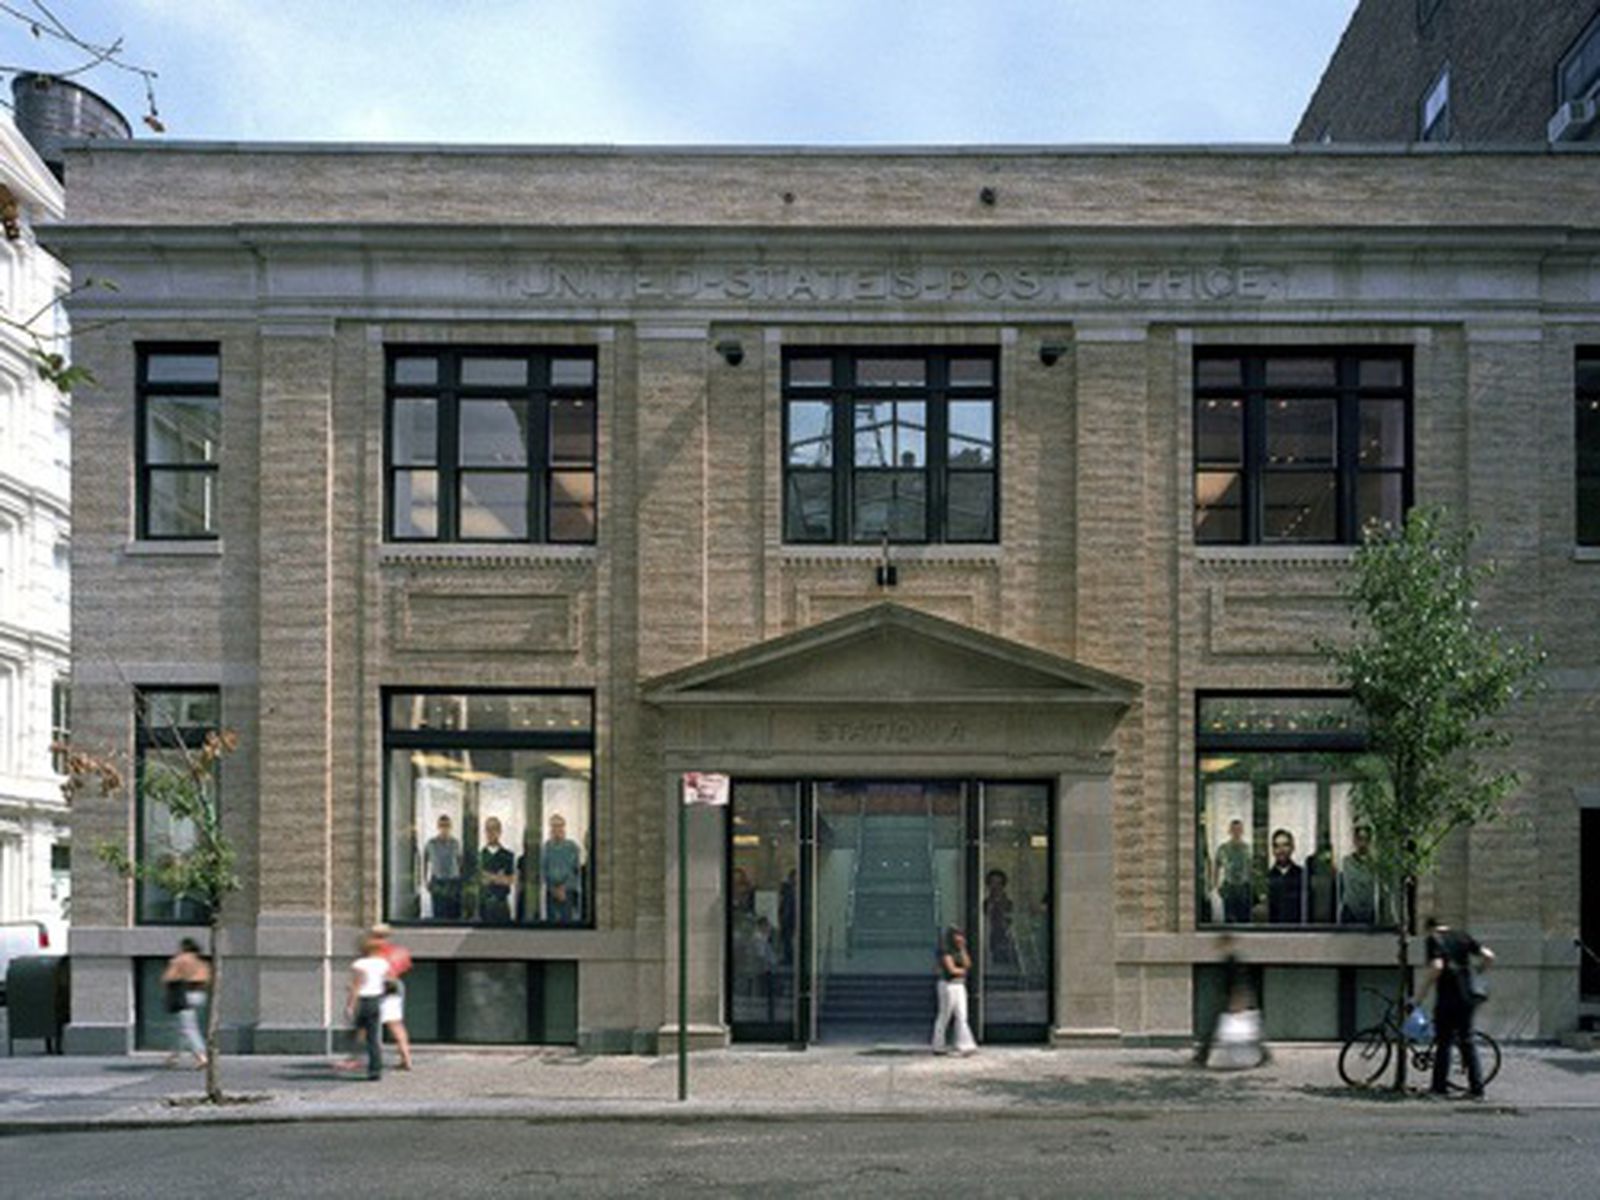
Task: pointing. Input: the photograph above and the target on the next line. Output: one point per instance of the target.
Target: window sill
(154, 548)
(1276, 555)
(445, 554)
(952, 553)
(1586, 554)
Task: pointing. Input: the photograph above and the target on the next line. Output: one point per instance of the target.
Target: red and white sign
(701, 787)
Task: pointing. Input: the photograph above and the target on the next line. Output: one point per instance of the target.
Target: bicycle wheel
(1488, 1062)
(1488, 1055)
(1365, 1057)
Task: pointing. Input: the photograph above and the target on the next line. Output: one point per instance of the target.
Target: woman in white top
(365, 1003)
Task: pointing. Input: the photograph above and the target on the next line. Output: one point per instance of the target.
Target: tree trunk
(1408, 925)
(213, 1073)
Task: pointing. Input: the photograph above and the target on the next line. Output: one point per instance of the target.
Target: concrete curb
(694, 1112)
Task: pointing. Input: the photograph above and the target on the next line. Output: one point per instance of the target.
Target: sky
(703, 72)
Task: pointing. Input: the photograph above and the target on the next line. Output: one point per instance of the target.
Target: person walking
(392, 1011)
(185, 979)
(364, 1003)
(953, 964)
(1451, 957)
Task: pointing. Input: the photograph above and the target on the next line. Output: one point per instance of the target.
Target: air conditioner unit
(1572, 120)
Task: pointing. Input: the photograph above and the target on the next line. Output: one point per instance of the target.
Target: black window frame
(494, 739)
(144, 390)
(540, 466)
(1254, 466)
(147, 738)
(1586, 41)
(1586, 447)
(1349, 742)
(937, 393)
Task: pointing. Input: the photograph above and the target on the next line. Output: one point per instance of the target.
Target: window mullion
(537, 450)
(844, 465)
(936, 460)
(448, 449)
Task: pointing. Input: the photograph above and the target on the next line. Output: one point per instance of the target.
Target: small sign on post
(700, 788)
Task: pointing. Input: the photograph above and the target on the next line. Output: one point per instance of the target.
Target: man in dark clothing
(1286, 883)
(1450, 960)
(497, 866)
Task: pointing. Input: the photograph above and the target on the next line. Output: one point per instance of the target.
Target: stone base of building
(701, 1037)
(1064, 1037)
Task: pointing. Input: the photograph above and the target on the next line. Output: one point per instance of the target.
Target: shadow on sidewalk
(1189, 1087)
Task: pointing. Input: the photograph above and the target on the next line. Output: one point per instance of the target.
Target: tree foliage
(1430, 676)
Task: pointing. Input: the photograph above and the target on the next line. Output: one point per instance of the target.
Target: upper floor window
(900, 445)
(60, 722)
(1279, 840)
(1434, 120)
(1587, 430)
(171, 727)
(1579, 70)
(178, 441)
(491, 446)
(1300, 446)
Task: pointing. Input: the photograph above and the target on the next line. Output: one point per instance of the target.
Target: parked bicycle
(1367, 1055)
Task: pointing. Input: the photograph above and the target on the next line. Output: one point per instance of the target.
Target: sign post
(698, 789)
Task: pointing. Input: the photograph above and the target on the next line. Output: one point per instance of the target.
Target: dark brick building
(1463, 71)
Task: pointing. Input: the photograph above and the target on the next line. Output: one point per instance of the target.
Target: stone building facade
(1477, 72)
(974, 511)
(35, 549)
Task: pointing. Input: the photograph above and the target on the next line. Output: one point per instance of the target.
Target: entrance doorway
(838, 890)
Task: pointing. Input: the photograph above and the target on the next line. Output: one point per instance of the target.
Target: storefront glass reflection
(490, 808)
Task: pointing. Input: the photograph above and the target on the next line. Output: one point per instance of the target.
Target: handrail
(855, 875)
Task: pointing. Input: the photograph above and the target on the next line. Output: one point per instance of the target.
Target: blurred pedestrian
(953, 963)
(392, 1012)
(1233, 1039)
(185, 981)
(364, 1003)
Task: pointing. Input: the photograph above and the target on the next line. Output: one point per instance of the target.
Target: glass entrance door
(837, 891)
(891, 872)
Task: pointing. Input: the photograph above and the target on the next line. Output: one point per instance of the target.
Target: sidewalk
(44, 1093)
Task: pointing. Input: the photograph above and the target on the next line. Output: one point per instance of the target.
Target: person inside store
(561, 869)
(1233, 874)
(497, 866)
(441, 871)
(1286, 883)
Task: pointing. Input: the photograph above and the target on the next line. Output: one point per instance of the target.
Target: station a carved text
(890, 731)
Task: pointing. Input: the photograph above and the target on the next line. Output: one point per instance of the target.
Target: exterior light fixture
(987, 197)
(732, 351)
(1050, 352)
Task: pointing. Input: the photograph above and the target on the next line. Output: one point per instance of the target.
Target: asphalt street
(1410, 1150)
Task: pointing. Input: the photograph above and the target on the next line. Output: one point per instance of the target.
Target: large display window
(1279, 842)
(490, 807)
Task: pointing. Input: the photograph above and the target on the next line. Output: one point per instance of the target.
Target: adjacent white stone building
(35, 553)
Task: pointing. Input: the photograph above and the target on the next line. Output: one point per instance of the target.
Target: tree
(205, 872)
(1430, 677)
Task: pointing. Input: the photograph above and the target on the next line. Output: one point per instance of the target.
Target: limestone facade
(1081, 638)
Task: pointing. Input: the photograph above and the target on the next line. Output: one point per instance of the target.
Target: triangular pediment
(888, 653)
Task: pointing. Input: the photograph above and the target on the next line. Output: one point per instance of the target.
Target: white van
(19, 939)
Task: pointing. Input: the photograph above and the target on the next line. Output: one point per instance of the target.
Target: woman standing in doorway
(953, 964)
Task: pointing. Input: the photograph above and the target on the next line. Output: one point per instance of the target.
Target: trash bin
(38, 1000)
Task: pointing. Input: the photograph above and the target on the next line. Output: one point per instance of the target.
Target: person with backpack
(1453, 956)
